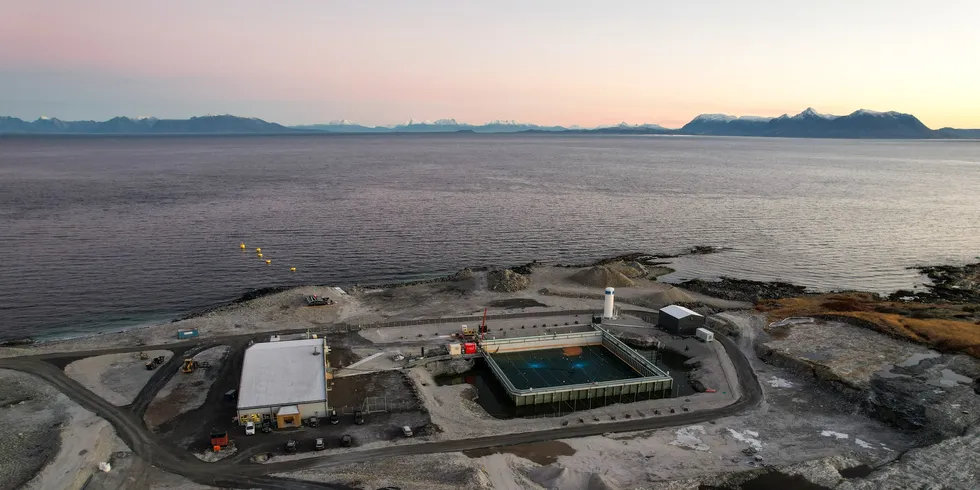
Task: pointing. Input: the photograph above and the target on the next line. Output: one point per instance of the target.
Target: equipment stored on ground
(219, 438)
(705, 335)
(346, 440)
(190, 365)
(314, 300)
(358, 417)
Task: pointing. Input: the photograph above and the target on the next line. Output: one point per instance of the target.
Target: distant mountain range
(143, 125)
(807, 124)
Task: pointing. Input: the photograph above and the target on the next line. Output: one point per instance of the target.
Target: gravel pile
(602, 276)
(507, 281)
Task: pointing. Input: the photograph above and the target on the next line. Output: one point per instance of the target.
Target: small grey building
(679, 320)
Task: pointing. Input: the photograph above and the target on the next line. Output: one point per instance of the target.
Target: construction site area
(560, 388)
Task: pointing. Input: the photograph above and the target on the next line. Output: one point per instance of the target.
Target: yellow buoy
(260, 255)
(292, 269)
(258, 250)
(268, 261)
(242, 246)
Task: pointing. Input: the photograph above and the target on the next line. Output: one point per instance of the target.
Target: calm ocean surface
(103, 233)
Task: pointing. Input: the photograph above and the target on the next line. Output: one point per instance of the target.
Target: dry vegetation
(946, 327)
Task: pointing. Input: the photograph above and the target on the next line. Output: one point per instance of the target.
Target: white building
(285, 382)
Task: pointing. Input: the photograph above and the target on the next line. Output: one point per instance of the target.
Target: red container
(469, 348)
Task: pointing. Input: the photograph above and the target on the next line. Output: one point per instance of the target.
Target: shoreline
(941, 284)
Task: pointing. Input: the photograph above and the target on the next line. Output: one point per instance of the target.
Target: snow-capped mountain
(812, 124)
(811, 113)
(725, 124)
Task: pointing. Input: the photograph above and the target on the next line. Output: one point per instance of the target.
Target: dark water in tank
(102, 233)
(492, 396)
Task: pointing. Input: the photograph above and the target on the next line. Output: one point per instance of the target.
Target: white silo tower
(607, 309)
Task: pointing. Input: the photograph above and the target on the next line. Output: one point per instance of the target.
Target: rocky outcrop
(451, 367)
(951, 464)
(636, 340)
(934, 396)
(507, 281)
(743, 290)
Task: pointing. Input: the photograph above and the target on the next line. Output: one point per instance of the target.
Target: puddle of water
(859, 471)
(543, 453)
(915, 359)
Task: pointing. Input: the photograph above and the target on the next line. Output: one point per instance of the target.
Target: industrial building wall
(688, 325)
(667, 322)
(308, 410)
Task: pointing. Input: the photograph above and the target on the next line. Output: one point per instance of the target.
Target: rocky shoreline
(956, 284)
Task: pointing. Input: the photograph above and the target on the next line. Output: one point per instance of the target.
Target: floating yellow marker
(242, 246)
(260, 255)
(292, 269)
(258, 250)
(268, 261)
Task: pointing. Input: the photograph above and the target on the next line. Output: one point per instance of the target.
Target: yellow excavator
(190, 365)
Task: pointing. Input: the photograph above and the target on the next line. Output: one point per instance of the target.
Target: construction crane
(483, 326)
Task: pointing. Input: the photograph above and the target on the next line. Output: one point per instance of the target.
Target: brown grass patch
(939, 326)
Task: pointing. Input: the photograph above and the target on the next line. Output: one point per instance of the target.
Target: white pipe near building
(607, 309)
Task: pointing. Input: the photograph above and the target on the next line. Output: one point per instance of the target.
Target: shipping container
(187, 333)
(705, 335)
(455, 349)
(469, 348)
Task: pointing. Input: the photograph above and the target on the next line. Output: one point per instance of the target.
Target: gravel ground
(447, 471)
(116, 377)
(186, 391)
(86, 440)
(31, 417)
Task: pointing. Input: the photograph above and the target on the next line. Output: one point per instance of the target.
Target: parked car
(290, 446)
(358, 417)
(319, 444)
(407, 431)
(313, 422)
(249, 428)
(334, 419)
(346, 440)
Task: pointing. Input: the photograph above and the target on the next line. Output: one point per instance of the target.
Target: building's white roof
(678, 311)
(282, 373)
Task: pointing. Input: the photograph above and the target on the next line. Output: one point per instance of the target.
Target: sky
(546, 62)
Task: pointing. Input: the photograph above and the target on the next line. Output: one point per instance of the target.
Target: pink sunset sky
(546, 62)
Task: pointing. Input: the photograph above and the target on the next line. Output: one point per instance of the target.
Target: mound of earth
(602, 276)
(673, 296)
(507, 281)
(630, 269)
(556, 476)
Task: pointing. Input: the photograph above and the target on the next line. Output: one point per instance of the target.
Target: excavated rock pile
(507, 281)
(602, 276)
